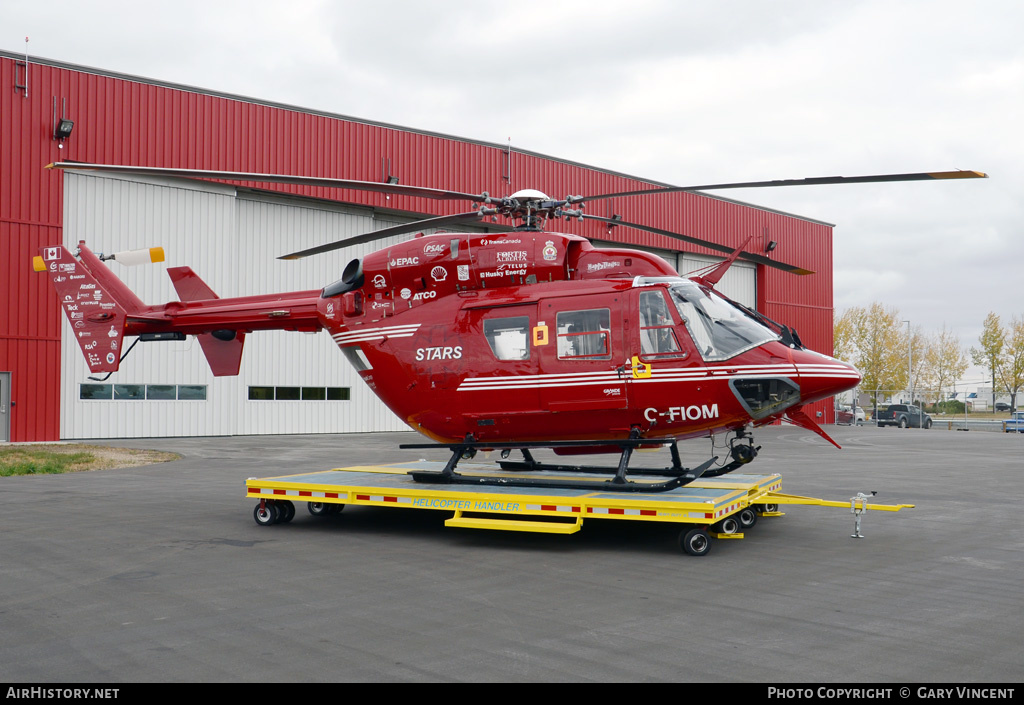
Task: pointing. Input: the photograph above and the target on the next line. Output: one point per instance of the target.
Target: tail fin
(97, 314)
(223, 348)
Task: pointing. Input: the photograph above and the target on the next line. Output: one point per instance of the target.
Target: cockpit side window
(657, 337)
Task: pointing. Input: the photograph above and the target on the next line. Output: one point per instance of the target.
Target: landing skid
(678, 475)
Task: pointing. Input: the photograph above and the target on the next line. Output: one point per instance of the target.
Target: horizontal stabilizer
(223, 349)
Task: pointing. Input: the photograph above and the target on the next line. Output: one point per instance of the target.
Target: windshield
(719, 329)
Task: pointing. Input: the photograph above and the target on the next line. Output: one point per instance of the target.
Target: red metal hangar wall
(121, 119)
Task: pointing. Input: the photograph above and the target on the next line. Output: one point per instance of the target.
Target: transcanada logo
(683, 413)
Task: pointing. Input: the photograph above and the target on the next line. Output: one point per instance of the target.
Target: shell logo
(439, 274)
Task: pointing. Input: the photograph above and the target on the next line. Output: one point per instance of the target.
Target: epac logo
(404, 261)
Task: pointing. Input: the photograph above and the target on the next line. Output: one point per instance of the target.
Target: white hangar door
(739, 283)
(288, 382)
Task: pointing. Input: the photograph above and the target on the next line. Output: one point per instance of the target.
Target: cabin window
(657, 338)
(508, 337)
(584, 335)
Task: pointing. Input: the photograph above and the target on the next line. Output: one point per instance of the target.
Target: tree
(875, 342)
(993, 340)
(1011, 364)
(946, 362)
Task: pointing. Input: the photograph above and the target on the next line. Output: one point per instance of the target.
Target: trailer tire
(265, 515)
(746, 518)
(696, 542)
(727, 526)
(318, 509)
(286, 511)
(769, 508)
(335, 508)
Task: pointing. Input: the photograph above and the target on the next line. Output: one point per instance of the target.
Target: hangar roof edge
(54, 63)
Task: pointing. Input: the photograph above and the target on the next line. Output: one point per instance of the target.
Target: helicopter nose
(822, 376)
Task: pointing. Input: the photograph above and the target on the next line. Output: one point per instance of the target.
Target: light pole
(910, 362)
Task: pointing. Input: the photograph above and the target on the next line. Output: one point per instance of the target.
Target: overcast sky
(675, 91)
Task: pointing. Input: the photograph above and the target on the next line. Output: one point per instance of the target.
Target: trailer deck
(722, 507)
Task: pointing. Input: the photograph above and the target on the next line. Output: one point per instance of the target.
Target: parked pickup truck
(903, 415)
(1015, 424)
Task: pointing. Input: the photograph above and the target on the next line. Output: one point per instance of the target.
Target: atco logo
(378, 281)
(433, 248)
(691, 413)
(424, 295)
(404, 261)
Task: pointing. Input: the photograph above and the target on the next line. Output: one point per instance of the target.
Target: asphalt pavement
(160, 574)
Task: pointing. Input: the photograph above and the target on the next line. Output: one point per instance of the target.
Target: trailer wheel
(286, 511)
(318, 509)
(747, 518)
(769, 507)
(696, 542)
(727, 526)
(265, 515)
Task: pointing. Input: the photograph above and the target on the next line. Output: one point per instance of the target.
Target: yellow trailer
(722, 507)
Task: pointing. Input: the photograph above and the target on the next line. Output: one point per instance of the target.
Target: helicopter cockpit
(719, 329)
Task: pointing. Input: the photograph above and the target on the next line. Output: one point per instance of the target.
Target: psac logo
(441, 353)
(681, 413)
(434, 248)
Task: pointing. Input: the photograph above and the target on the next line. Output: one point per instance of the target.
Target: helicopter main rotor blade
(748, 256)
(468, 217)
(391, 189)
(813, 181)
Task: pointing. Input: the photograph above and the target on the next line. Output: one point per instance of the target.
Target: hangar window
(142, 392)
(299, 393)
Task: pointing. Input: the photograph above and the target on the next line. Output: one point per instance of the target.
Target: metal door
(5, 406)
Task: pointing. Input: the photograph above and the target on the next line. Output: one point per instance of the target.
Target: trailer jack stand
(859, 505)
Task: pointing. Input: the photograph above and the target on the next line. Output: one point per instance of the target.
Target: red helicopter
(505, 341)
